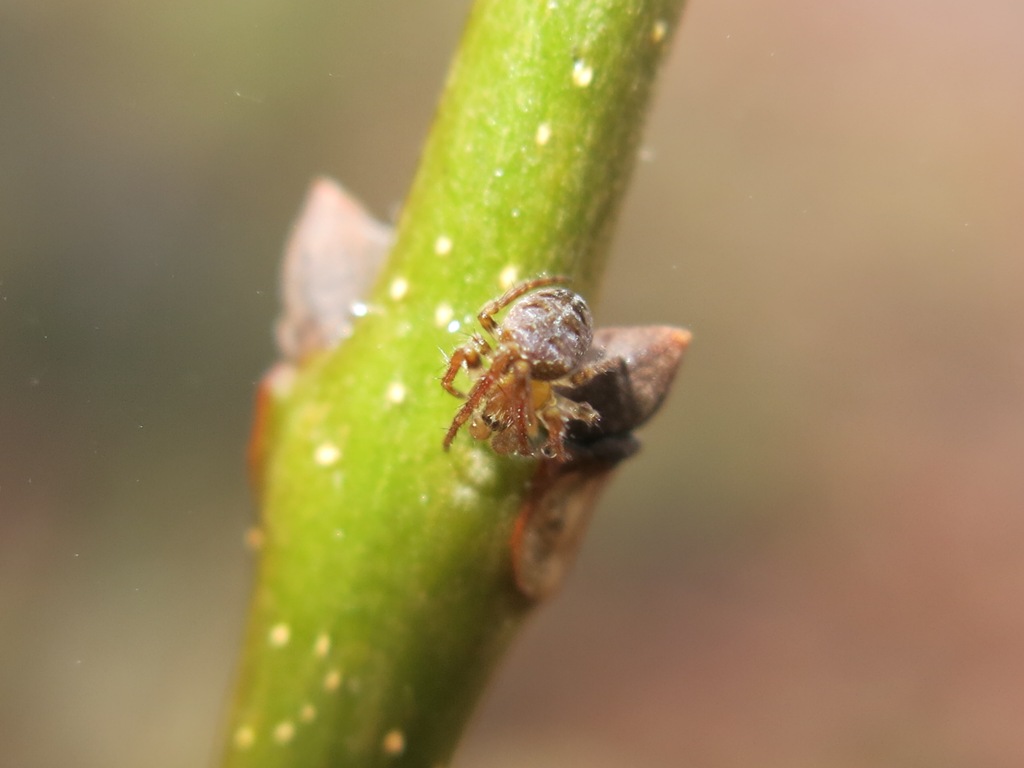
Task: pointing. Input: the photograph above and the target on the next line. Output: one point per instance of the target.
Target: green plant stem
(384, 594)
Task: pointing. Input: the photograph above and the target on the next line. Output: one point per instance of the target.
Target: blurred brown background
(816, 561)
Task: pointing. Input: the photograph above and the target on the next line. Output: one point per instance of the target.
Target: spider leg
(524, 414)
(479, 391)
(556, 418)
(493, 307)
(554, 421)
(471, 355)
(591, 370)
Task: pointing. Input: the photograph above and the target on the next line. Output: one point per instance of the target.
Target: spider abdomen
(552, 329)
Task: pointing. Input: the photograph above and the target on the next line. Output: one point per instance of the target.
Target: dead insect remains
(539, 347)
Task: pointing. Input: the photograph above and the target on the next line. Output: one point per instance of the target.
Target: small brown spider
(540, 345)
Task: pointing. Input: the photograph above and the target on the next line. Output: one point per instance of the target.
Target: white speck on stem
(464, 496)
(508, 276)
(359, 309)
(443, 315)
(394, 742)
(396, 392)
(308, 713)
(332, 680)
(327, 454)
(454, 326)
(659, 30)
(322, 645)
(543, 134)
(582, 75)
(284, 731)
(399, 287)
(479, 469)
(279, 635)
(443, 245)
(245, 737)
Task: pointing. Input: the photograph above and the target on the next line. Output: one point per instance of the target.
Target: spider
(540, 345)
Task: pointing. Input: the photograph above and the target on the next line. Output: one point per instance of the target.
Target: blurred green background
(816, 560)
